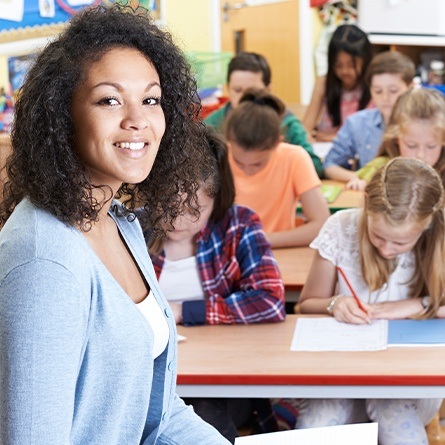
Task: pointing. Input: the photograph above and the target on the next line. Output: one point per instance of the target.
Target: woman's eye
(152, 101)
(109, 101)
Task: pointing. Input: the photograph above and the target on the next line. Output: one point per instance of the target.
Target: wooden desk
(256, 361)
(294, 264)
(346, 199)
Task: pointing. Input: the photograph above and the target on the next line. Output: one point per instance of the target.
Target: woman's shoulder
(33, 234)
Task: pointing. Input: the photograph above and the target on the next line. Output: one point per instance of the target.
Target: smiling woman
(107, 110)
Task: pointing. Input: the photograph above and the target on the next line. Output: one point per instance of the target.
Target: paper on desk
(321, 149)
(362, 433)
(328, 334)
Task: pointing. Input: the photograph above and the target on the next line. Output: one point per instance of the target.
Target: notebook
(330, 192)
(416, 332)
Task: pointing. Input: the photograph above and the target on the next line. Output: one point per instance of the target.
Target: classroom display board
(24, 18)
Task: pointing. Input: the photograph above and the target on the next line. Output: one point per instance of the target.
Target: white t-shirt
(180, 281)
(338, 243)
(152, 312)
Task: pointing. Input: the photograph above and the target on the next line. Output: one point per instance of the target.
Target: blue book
(416, 332)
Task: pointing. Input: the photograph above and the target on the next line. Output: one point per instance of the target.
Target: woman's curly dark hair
(44, 165)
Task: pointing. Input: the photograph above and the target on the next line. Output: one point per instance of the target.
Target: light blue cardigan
(75, 351)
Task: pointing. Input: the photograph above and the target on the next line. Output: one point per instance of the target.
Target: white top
(338, 243)
(152, 312)
(180, 280)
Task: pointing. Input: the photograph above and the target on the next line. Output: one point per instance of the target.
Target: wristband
(332, 303)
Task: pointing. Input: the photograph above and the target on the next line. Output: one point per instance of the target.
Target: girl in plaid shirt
(218, 268)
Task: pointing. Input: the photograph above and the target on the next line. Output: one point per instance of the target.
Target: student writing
(218, 268)
(343, 90)
(251, 70)
(270, 175)
(389, 74)
(392, 252)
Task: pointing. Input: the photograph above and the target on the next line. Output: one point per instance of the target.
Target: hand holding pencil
(360, 304)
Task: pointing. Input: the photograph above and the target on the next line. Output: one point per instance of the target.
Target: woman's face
(420, 139)
(118, 119)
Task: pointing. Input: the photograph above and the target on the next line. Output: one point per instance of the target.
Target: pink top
(349, 105)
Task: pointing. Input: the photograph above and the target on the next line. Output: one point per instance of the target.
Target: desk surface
(256, 361)
(294, 264)
(346, 199)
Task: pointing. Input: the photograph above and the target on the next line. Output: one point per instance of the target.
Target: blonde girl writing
(392, 252)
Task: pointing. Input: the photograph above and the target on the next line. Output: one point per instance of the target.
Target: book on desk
(328, 334)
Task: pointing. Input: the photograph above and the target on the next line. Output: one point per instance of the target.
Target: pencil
(359, 303)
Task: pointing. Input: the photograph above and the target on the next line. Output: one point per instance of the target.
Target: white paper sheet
(12, 10)
(327, 334)
(360, 433)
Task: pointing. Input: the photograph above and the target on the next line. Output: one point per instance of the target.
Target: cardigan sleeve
(43, 327)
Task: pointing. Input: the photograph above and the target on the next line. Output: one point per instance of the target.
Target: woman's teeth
(131, 145)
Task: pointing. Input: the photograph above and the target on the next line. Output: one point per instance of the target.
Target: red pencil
(359, 303)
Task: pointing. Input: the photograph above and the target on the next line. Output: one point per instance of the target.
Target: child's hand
(356, 184)
(346, 310)
(395, 310)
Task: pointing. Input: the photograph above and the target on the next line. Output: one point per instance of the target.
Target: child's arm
(396, 310)
(318, 294)
(339, 162)
(316, 212)
(295, 134)
(339, 173)
(315, 107)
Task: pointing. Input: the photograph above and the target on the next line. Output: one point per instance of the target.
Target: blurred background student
(251, 70)
(218, 268)
(343, 91)
(271, 176)
(416, 129)
(389, 74)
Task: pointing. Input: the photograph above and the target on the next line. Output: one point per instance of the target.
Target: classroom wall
(190, 22)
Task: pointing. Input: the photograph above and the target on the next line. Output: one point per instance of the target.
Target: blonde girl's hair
(407, 190)
(425, 104)
(255, 124)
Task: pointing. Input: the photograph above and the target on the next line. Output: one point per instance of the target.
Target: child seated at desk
(392, 254)
(389, 75)
(343, 90)
(250, 70)
(219, 269)
(416, 129)
(270, 175)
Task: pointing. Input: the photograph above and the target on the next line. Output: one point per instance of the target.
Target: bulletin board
(33, 25)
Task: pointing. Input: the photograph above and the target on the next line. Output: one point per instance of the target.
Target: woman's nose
(135, 117)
